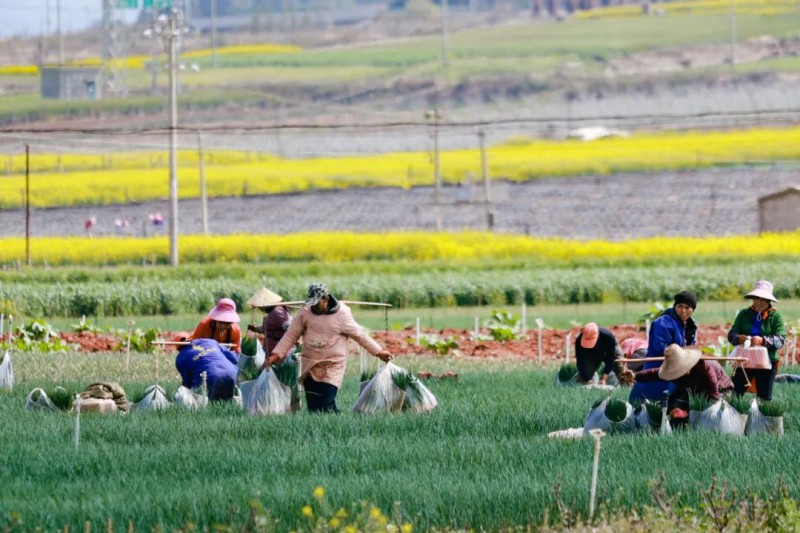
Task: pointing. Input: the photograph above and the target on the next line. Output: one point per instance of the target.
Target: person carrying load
(325, 325)
(276, 318)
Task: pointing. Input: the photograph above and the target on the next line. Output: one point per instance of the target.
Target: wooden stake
(597, 434)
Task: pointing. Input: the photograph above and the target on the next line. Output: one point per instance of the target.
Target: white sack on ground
(6, 372)
(721, 418)
(38, 400)
(381, 395)
(266, 395)
(191, 400)
(155, 399)
(760, 423)
(597, 419)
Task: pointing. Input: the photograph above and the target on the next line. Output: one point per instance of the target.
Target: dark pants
(221, 389)
(320, 397)
(763, 378)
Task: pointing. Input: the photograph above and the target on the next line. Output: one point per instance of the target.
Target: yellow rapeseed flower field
(139, 62)
(341, 247)
(698, 7)
(140, 176)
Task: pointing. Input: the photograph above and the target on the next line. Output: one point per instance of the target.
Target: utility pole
(173, 140)
(444, 39)
(437, 173)
(214, 33)
(202, 168)
(28, 204)
(169, 27)
(486, 185)
(732, 33)
(60, 34)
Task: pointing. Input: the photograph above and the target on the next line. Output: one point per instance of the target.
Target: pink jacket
(325, 343)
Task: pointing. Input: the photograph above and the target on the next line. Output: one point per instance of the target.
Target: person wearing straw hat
(276, 318)
(690, 374)
(762, 325)
(593, 347)
(674, 326)
(221, 325)
(325, 324)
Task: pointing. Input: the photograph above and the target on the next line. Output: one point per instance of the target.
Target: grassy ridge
(121, 295)
(479, 461)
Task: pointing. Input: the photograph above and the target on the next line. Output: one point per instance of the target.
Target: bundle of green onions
(287, 372)
(773, 408)
(616, 410)
(249, 346)
(567, 372)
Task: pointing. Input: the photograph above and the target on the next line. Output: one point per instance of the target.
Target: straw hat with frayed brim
(678, 362)
(264, 298)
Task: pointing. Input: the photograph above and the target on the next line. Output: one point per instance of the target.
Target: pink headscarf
(631, 345)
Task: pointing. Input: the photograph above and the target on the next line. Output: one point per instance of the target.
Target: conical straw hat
(678, 362)
(263, 298)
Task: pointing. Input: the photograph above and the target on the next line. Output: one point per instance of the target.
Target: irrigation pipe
(76, 408)
(597, 434)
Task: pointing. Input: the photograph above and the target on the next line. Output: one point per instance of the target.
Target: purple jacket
(206, 355)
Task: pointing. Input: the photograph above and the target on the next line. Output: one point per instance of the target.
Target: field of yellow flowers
(700, 7)
(340, 247)
(122, 177)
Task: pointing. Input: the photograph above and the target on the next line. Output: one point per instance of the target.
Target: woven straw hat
(264, 298)
(677, 362)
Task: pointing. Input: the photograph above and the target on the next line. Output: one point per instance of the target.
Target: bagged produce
(385, 392)
(6, 372)
(419, 398)
(250, 365)
(189, 399)
(765, 417)
(155, 399)
(612, 416)
(567, 376)
(720, 417)
(37, 400)
(266, 395)
(650, 416)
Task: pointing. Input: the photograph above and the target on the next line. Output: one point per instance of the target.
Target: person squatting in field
(325, 324)
(219, 364)
(222, 325)
(593, 347)
(690, 375)
(763, 325)
(674, 326)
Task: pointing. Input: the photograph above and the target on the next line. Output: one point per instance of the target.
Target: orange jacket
(207, 329)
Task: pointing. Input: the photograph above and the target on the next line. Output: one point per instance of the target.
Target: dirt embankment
(403, 342)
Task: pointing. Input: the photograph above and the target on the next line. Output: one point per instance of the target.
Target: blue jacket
(206, 355)
(665, 330)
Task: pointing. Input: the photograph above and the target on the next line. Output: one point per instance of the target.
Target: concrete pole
(487, 194)
(28, 204)
(203, 196)
(437, 171)
(173, 140)
(60, 34)
(214, 33)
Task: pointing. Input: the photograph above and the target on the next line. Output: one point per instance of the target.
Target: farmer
(219, 364)
(593, 347)
(222, 325)
(276, 318)
(325, 324)
(674, 326)
(690, 375)
(764, 326)
(634, 348)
